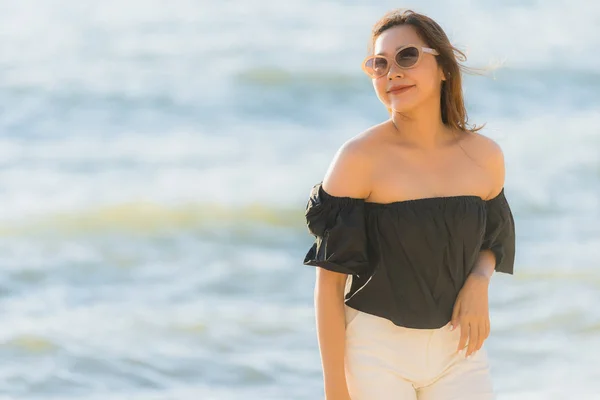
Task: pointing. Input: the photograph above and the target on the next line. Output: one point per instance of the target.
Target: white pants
(385, 361)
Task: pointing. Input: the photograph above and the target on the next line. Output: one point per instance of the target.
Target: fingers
(478, 332)
(473, 339)
(455, 320)
(454, 324)
(464, 334)
(473, 330)
(472, 336)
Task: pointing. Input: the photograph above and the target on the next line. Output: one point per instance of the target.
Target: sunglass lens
(376, 66)
(407, 57)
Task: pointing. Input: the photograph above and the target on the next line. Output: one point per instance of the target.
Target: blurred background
(156, 158)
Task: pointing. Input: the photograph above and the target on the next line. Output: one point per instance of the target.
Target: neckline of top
(439, 199)
(436, 199)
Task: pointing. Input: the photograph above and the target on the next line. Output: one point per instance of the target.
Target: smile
(399, 91)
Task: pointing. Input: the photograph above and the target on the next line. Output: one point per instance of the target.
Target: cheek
(426, 82)
(380, 86)
(426, 87)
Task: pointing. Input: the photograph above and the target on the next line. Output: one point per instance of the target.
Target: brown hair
(454, 113)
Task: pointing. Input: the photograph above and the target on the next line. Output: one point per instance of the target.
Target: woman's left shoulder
(489, 156)
(487, 148)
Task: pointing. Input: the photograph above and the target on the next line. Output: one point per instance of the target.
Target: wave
(277, 77)
(31, 344)
(152, 218)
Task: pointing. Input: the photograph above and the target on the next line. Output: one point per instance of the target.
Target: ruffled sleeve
(339, 227)
(499, 233)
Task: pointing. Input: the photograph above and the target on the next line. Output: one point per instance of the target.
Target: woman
(410, 222)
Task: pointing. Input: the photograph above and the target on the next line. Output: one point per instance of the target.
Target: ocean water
(156, 157)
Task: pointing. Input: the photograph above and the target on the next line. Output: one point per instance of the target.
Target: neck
(422, 127)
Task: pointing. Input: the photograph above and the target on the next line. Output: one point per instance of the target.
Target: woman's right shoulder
(350, 172)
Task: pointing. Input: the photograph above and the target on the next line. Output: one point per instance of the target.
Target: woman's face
(426, 76)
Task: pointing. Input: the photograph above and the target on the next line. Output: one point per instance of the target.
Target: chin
(402, 107)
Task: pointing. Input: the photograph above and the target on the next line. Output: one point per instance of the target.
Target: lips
(399, 89)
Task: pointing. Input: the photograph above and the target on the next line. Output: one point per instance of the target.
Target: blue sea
(155, 161)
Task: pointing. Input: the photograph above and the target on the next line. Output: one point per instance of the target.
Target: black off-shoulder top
(408, 259)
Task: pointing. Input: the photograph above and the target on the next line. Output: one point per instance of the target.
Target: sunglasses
(406, 57)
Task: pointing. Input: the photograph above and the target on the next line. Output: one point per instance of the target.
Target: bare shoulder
(351, 170)
(490, 156)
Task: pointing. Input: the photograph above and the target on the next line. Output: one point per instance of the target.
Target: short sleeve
(339, 227)
(499, 236)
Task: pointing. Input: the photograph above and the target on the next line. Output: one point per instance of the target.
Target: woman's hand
(471, 312)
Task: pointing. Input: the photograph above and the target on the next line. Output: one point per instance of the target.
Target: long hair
(454, 113)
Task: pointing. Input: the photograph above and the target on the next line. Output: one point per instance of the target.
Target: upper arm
(349, 173)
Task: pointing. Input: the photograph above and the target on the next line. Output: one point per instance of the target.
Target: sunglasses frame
(420, 50)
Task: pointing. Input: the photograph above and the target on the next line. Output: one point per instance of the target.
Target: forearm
(485, 265)
(330, 321)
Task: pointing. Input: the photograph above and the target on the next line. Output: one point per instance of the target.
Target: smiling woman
(410, 221)
(405, 57)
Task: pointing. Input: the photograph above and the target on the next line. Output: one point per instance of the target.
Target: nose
(395, 72)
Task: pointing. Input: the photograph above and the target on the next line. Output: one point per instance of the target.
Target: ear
(442, 74)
